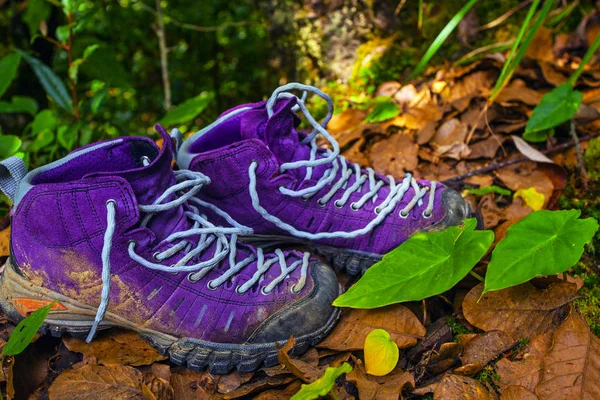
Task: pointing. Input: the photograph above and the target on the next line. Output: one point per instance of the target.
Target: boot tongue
(150, 181)
(277, 132)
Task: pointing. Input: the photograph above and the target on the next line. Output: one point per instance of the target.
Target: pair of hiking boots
(188, 257)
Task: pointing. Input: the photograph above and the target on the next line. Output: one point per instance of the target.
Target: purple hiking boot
(119, 239)
(277, 181)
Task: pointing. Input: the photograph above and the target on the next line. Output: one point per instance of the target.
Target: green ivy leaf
(323, 385)
(383, 112)
(425, 265)
(90, 50)
(54, 87)
(556, 107)
(36, 12)
(543, 243)
(24, 332)
(19, 104)
(490, 189)
(538, 136)
(8, 70)
(62, 32)
(98, 99)
(44, 120)
(9, 145)
(66, 135)
(188, 110)
(41, 141)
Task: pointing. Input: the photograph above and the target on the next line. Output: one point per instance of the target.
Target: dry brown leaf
(482, 349)
(159, 386)
(4, 242)
(517, 210)
(571, 368)
(258, 385)
(517, 393)
(541, 46)
(486, 148)
(525, 372)
(445, 358)
(346, 120)
(116, 347)
(520, 311)
(277, 394)
(450, 132)
(97, 382)
(525, 176)
(388, 89)
(529, 151)
(395, 155)
(551, 74)
(303, 370)
(189, 385)
(232, 381)
(426, 134)
(455, 387)
(473, 85)
(517, 91)
(490, 212)
(354, 326)
(387, 387)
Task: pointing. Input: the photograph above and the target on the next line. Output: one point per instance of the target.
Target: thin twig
(400, 5)
(579, 153)
(424, 311)
(55, 42)
(164, 59)
(504, 16)
(193, 27)
(476, 276)
(495, 165)
(69, 50)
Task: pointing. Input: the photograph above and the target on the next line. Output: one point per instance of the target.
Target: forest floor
(533, 341)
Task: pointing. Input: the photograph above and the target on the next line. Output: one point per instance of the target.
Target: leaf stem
(69, 49)
(476, 276)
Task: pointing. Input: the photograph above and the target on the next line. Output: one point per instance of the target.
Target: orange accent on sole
(26, 306)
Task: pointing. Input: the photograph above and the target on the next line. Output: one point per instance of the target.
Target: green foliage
(36, 12)
(9, 145)
(591, 157)
(323, 385)
(521, 44)
(543, 243)
(8, 70)
(19, 104)
(54, 87)
(25, 331)
(188, 110)
(425, 265)
(556, 107)
(441, 38)
(490, 189)
(383, 112)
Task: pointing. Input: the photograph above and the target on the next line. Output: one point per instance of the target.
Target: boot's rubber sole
(353, 262)
(76, 319)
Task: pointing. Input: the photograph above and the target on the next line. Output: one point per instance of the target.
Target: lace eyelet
(155, 256)
(427, 215)
(191, 279)
(377, 210)
(264, 292)
(337, 205)
(321, 203)
(354, 207)
(404, 215)
(210, 285)
(237, 291)
(293, 289)
(132, 242)
(304, 199)
(111, 201)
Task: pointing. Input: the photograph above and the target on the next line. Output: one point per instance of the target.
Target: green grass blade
(514, 61)
(501, 79)
(441, 38)
(420, 19)
(586, 58)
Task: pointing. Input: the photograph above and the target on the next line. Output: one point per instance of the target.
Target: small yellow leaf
(381, 353)
(531, 197)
